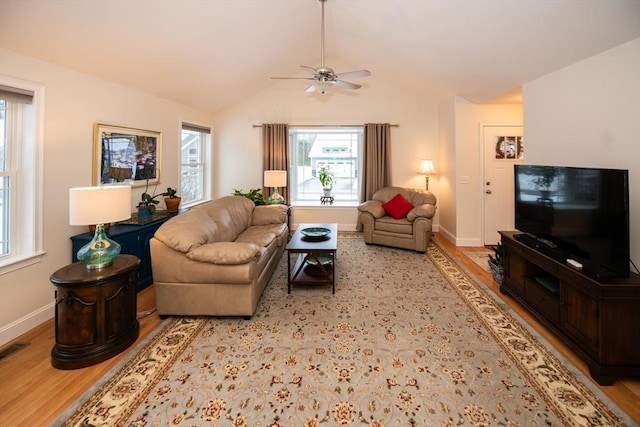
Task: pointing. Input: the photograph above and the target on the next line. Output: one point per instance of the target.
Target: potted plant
(171, 200)
(253, 194)
(496, 263)
(147, 204)
(326, 178)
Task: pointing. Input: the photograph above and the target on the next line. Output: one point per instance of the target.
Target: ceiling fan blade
(310, 89)
(346, 85)
(352, 74)
(310, 69)
(293, 78)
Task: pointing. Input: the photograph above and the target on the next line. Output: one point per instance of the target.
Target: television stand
(597, 319)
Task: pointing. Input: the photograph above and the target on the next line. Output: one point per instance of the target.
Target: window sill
(17, 262)
(314, 204)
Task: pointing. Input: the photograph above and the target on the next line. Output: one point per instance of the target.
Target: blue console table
(133, 235)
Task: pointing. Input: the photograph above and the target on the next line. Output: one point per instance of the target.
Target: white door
(502, 148)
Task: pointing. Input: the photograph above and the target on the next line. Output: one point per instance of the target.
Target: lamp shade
(426, 167)
(275, 179)
(99, 205)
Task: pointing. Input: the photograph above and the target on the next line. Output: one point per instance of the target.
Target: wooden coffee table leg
(288, 272)
(333, 267)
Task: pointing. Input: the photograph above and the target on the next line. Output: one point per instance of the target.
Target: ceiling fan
(324, 77)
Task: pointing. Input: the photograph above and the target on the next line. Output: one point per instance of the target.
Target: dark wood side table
(96, 312)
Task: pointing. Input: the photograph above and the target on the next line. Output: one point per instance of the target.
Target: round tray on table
(315, 233)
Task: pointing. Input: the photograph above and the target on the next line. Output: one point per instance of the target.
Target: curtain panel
(376, 159)
(275, 154)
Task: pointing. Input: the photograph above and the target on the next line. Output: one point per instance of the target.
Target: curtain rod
(326, 126)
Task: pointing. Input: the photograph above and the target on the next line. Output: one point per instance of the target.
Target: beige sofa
(410, 232)
(217, 258)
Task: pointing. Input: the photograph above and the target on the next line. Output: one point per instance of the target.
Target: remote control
(573, 263)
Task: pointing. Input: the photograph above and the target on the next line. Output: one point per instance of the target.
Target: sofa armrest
(426, 210)
(372, 207)
(227, 253)
(269, 214)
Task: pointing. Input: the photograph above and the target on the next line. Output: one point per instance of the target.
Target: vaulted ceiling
(212, 53)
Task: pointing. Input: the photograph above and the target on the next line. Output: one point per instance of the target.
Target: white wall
(588, 114)
(73, 104)
(461, 155)
(239, 145)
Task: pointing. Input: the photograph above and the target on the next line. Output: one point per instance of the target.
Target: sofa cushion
(232, 215)
(398, 207)
(180, 234)
(260, 235)
(228, 253)
(270, 214)
(390, 225)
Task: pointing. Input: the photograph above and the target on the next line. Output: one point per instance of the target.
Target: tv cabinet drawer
(542, 301)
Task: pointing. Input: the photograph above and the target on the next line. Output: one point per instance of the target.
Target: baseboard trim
(14, 329)
(470, 242)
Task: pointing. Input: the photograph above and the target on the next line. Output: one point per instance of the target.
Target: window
(339, 148)
(196, 143)
(20, 173)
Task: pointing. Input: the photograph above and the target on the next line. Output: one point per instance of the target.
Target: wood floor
(33, 393)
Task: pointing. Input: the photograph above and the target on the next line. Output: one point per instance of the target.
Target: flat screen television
(582, 212)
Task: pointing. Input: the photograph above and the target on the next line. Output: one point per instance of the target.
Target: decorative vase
(497, 272)
(326, 191)
(172, 203)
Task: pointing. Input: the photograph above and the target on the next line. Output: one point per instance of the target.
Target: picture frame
(126, 155)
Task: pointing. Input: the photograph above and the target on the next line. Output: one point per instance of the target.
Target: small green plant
(497, 259)
(253, 194)
(147, 201)
(170, 193)
(326, 176)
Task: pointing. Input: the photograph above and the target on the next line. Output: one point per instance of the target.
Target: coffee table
(314, 256)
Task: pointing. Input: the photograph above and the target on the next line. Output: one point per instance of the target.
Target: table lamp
(99, 205)
(426, 168)
(275, 179)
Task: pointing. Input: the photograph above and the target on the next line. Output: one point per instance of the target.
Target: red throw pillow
(398, 207)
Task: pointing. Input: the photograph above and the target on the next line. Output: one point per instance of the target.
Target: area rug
(480, 258)
(407, 340)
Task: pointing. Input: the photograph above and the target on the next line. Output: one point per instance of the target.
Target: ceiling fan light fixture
(322, 86)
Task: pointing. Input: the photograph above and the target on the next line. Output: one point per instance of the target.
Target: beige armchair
(411, 231)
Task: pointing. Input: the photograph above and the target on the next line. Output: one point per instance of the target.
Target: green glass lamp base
(100, 251)
(275, 198)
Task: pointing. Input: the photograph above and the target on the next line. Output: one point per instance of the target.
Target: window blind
(13, 94)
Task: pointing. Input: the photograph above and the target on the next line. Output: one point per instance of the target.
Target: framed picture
(126, 155)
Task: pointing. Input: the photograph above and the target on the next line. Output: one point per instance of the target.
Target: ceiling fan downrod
(321, 69)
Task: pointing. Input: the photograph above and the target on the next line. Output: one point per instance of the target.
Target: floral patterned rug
(408, 339)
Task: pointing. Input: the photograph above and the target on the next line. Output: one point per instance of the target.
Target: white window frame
(295, 170)
(204, 162)
(26, 195)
